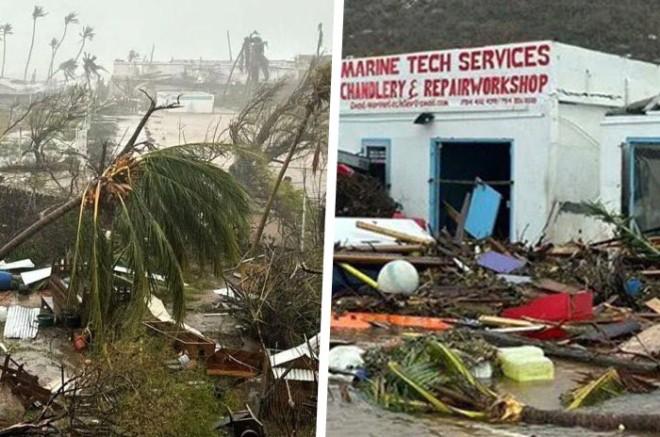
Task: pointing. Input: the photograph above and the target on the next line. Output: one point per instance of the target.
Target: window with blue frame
(377, 150)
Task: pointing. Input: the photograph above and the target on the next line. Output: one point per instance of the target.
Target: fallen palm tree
(152, 212)
(426, 375)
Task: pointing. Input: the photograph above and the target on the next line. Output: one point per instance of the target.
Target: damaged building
(533, 120)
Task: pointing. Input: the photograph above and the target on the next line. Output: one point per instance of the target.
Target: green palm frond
(606, 386)
(625, 227)
(155, 214)
(430, 398)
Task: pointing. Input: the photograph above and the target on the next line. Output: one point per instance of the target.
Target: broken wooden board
(654, 304)
(646, 342)
(367, 258)
(400, 236)
(557, 287)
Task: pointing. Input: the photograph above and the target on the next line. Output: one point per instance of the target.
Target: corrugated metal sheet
(21, 322)
(295, 374)
(309, 348)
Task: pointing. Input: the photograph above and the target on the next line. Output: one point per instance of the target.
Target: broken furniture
(235, 363)
(23, 385)
(183, 341)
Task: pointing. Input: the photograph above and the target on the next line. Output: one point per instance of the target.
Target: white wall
(411, 163)
(596, 78)
(575, 169)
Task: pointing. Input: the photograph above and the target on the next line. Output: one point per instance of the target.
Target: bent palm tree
(86, 34)
(53, 47)
(154, 213)
(6, 29)
(37, 13)
(67, 67)
(91, 68)
(69, 19)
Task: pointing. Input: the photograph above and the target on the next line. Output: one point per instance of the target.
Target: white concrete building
(527, 117)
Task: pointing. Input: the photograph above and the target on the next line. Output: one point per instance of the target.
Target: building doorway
(459, 163)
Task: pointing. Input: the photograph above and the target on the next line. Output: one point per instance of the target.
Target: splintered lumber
(651, 273)
(368, 258)
(394, 234)
(385, 248)
(503, 321)
(570, 353)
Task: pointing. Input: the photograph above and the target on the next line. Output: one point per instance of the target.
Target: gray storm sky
(187, 29)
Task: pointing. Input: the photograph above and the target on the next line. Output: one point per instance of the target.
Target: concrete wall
(411, 156)
(596, 78)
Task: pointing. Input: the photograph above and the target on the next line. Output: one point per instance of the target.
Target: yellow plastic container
(526, 363)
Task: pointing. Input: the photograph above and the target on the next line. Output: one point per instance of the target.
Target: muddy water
(360, 418)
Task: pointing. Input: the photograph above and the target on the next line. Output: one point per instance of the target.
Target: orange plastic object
(361, 321)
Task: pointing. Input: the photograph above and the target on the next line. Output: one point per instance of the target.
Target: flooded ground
(361, 417)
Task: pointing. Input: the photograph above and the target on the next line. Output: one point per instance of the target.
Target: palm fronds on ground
(426, 373)
(610, 384)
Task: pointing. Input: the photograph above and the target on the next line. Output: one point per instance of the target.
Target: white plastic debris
(344, 361)
(36, 275)
(21, 264)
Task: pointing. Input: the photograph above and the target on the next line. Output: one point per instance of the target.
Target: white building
(526, 117)
(191, 101)
(631, 152)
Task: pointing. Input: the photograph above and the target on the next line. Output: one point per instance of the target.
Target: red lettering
(514, 61)
(544, 54)
(464, 61)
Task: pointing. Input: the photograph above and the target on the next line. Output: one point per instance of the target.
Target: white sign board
(495, 76)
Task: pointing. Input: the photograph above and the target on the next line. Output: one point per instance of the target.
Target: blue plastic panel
(484, 206)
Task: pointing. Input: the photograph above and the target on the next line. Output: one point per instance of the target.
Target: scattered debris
(21, 322)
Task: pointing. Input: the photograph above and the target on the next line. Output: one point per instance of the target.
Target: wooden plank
(556, 287)
(394, 234)
(460, 223)
(386, 248)
(654, 304)
(652, 273)
(364, 258)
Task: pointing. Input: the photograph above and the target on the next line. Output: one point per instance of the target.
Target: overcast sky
(187, 29)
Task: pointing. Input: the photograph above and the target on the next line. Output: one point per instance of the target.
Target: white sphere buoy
(398, 277)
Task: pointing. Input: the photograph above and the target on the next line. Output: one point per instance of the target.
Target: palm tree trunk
(50, 66)
(4, 54)
(82, 46)
(40, 224)
(595, 421)
(264, 218)
(27, 64)
(57, 47)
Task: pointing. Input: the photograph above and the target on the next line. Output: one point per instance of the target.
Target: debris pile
(596, 303)
(361, 195)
